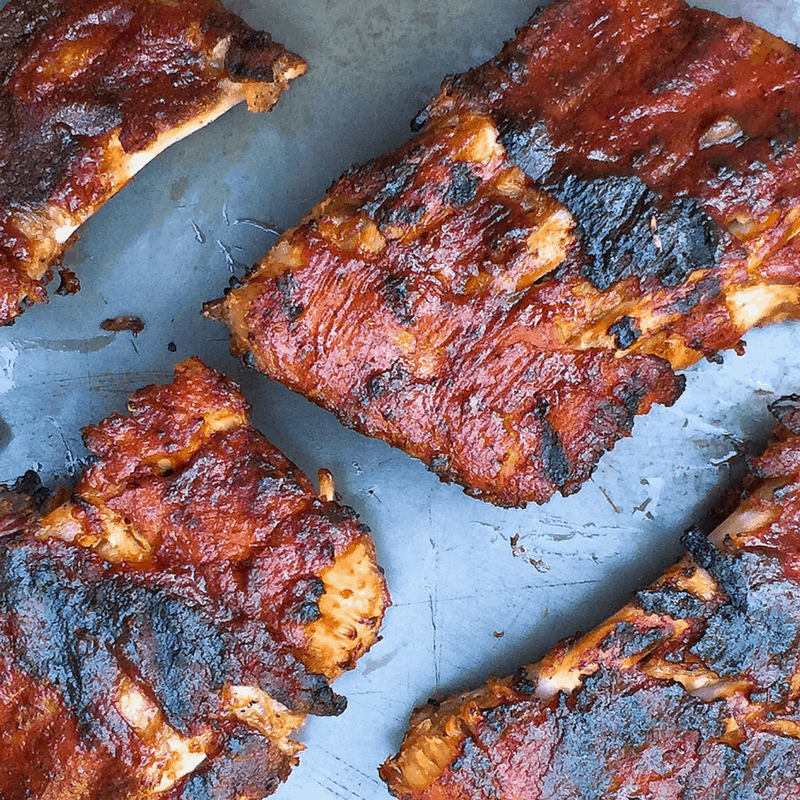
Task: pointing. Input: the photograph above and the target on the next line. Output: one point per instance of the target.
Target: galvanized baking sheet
(466, 602)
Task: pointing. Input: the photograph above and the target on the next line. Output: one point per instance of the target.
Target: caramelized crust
(611, 198)
(91, 91)
(176, 617)
(690, 691)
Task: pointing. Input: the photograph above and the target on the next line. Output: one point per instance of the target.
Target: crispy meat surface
(90, 91)
(690, 691)
(173, 619)
(613, 197)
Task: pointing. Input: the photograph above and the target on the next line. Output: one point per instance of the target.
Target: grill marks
(690, 691)
(598, 206)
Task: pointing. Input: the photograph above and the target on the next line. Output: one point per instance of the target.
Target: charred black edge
(786, 410)
(625, 331)
(626, 228)
(22, 503)
(556, 463)
(720, 565)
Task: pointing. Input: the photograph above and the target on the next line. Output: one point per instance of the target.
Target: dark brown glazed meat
(90, 91)
(173, 620)
(691, 691)
(613, 197)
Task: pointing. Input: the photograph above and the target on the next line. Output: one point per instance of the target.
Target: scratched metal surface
(466, 603)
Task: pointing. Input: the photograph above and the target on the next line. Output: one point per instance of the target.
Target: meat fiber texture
(691, 691)
(90, 91)
(167, 626)
(613, 197)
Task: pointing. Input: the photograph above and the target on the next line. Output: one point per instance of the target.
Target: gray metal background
(465, 604)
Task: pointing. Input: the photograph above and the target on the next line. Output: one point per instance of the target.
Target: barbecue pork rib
(90, 91)
(691, 691)
(168, 625)
(613, 197)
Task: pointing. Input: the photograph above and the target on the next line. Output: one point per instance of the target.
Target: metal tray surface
(466, 602)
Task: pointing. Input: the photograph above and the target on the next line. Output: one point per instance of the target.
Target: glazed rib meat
(90, 91)
(613, 197)
(691, 691)
(168, 625)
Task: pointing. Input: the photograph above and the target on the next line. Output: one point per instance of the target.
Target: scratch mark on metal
(73, 464)
(351, 796)
(701, 426)
(427, 602)
(90, 345)
(267, 227)
(352, 767)
(232, 262)
(495, 528)
(642, 506)
(726, 459)
(198, 234)
(432, 606)
(332, 790)
(610, 501)
(8, 359)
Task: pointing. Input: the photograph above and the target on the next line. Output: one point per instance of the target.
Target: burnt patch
(397, 180)
(287, 286)
(705, 290)
(73, 621)
(250, 56)
(625, 332)
(670, 602)
(787, 411)
(21, 502)
(463, 185)
(34, 160)
(528, 145)
(627, 640)
(401, 215)
(723, 567)
(524, 683)
(399, 298)
(307, 608)
(74, 625)
(756, 632)
(392, 380)
(88, 118)
(249, 767)
(604, 720)
(628, 230)
(631, 394)
(554, 458)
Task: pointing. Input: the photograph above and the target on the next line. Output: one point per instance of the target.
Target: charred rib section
(605, 198)
(629, 232)
(187, 606)
(92, 91)
(690, 691)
